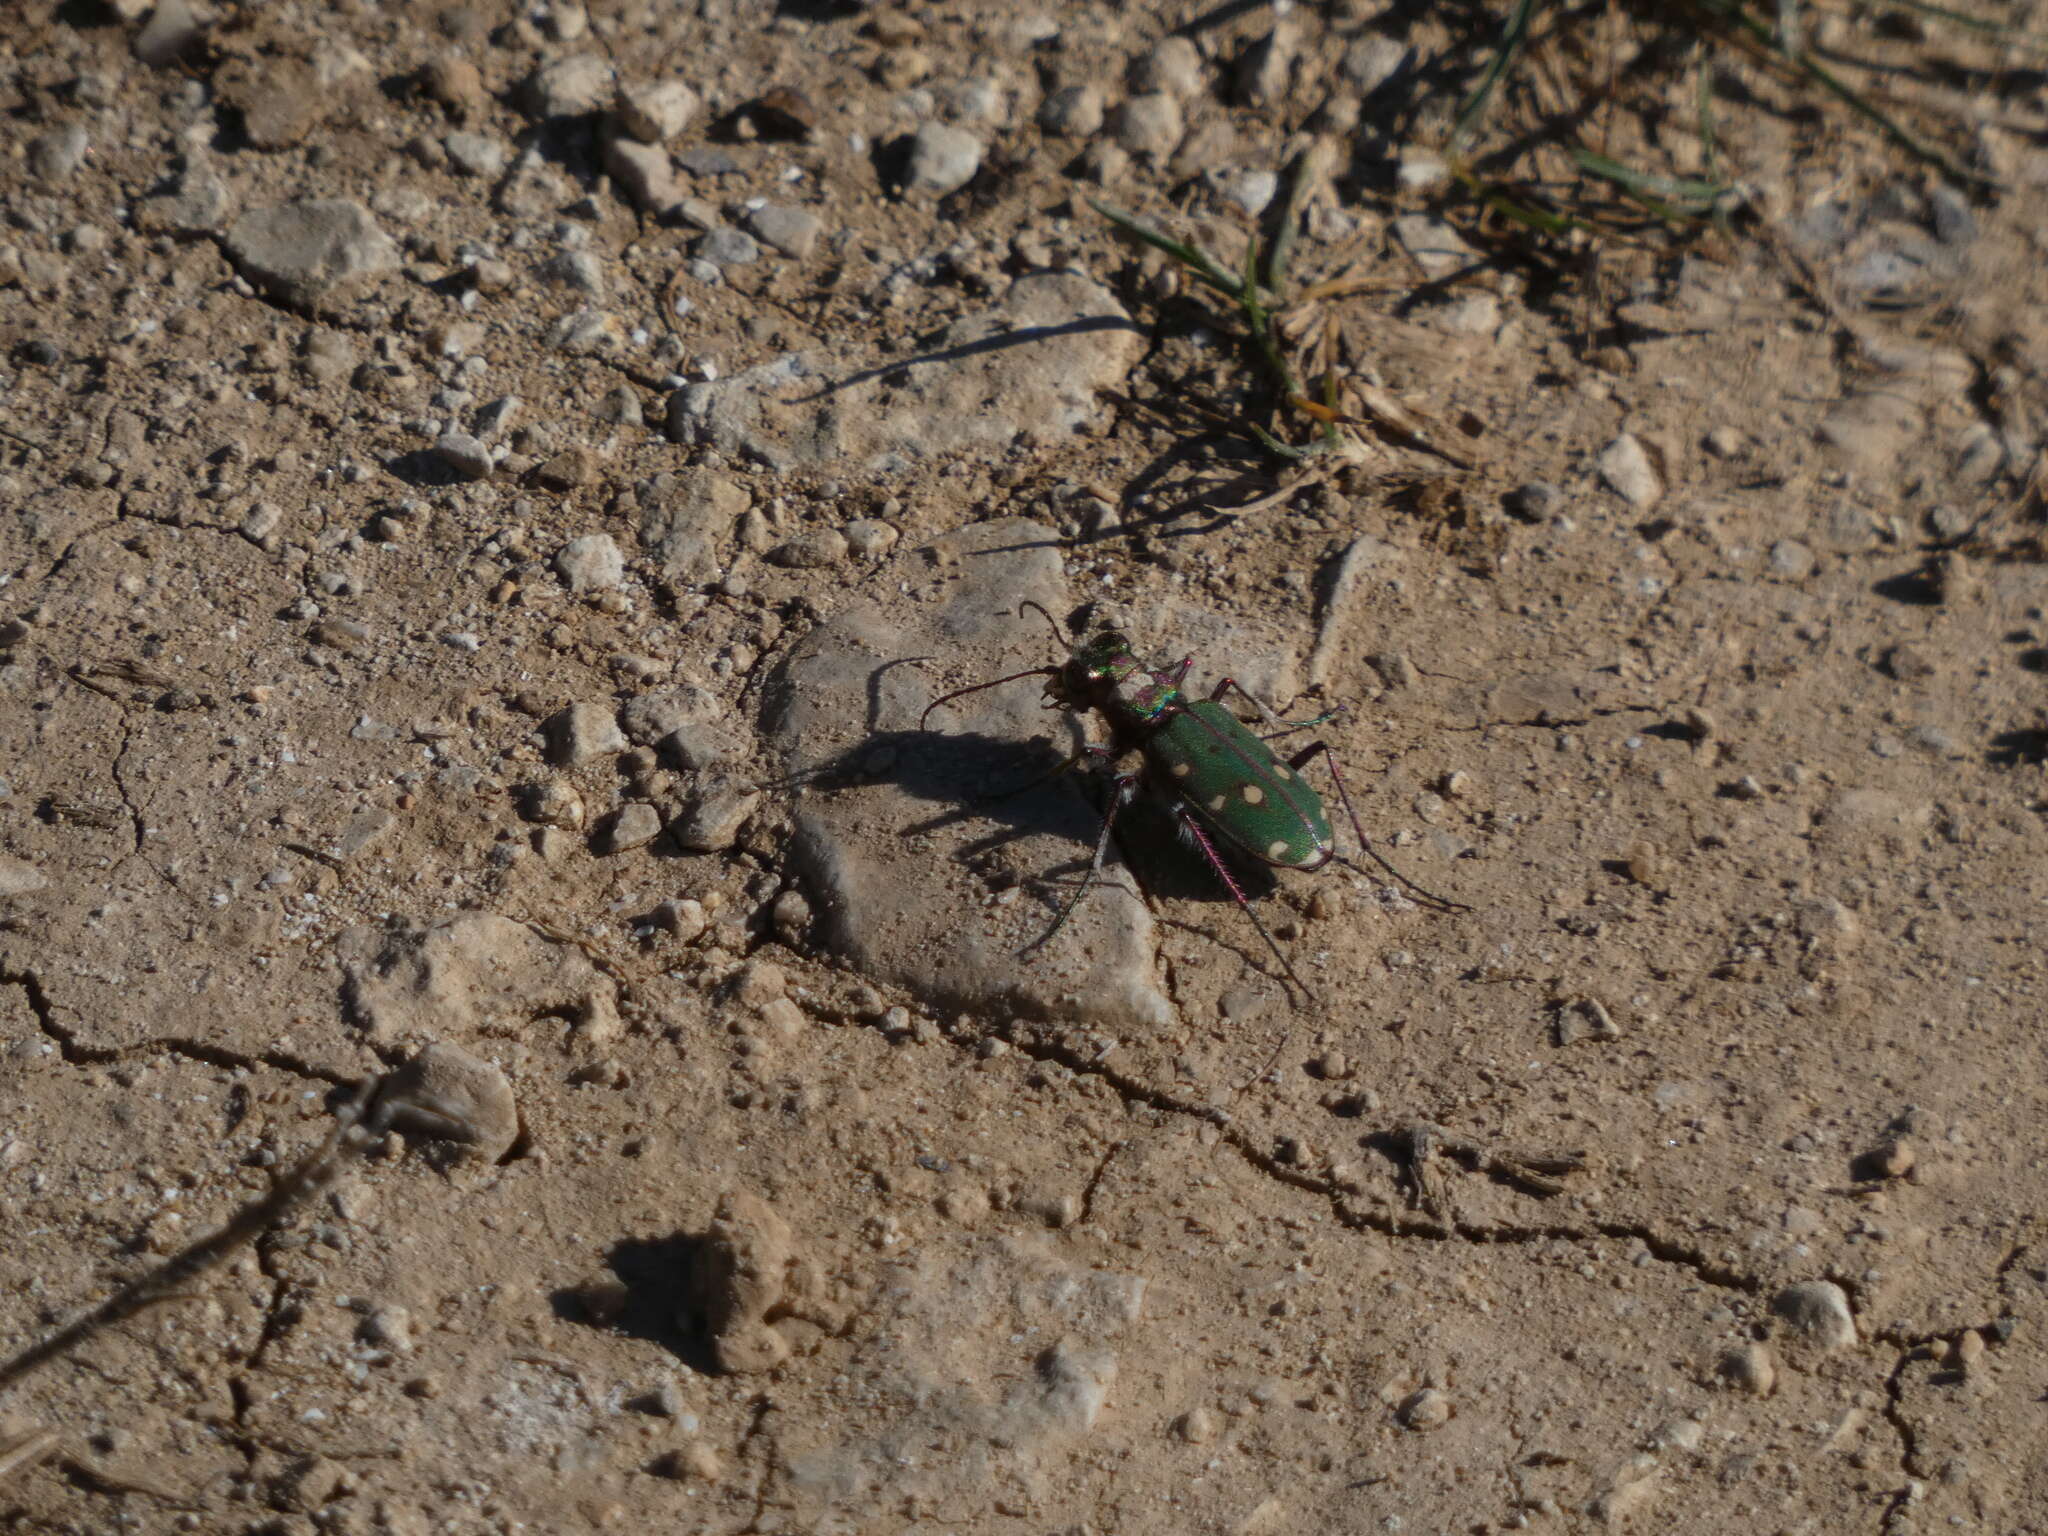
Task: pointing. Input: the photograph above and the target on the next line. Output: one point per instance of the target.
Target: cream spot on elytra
(1276, 850)
(1253, 795)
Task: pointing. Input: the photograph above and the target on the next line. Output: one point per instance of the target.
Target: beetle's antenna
(994, 682)
(1064, 644)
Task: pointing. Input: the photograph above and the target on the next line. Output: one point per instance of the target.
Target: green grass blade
(1193, 257)
(1513, 36)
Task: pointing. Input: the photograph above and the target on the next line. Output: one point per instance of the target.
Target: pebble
(655, 113)
(1072, 112)
(571, 87)
(1427, 1409)
(720, 806)
(567, 470)
(942, 160)
(1791, 560)
(1818, 1312)
(171, 32)
(552, 805)
(583, 733)
(759, 983)
(699, 744)
(1149, 124)
(455, 83)
(1870, 431)
(1890, 1159)
(651, 716)
(591, 563)
(727, 247)
(1908, 663)
(54, 155)
(1198, 1426)
(815, 550)
(631, 826)
(791, 916)
(477, 154)
(1724, 442)
(1749, 1369)
(1263, 70)
(1251, 192)
(465, 457)
(1172, 66)
(645, 172)
(447, 1084)
(302, 252)
(1626, 469)
(792, 231)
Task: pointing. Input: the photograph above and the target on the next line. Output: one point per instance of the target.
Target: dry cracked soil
(487, 496)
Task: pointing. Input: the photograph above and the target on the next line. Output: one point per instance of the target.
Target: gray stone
(57, 152)
(571, 87)
(718, 807)
(1790, 560)
(699, 744)
(645, 172)
(869, 538)
(655, 113)
(631, 826)
(465, 456)
(942, 159)
(1626, 469)
(912, 911)
(651, 716)
(792, 231)
(446, 1093)
(579, 270)
(583, 733)
(1032, 364)
(683, 523)
(198, 202)
(1149, 124)
(727, 247)
(1072, 112)
(477, 154)
(815, 550)
(302, 252)
(591, 564)
(1173, 66)
(1817, 1312)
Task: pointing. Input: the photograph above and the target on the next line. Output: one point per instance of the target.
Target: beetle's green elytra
(1240, 788)
(1218, 780)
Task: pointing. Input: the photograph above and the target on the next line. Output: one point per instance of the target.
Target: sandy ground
(486, 496)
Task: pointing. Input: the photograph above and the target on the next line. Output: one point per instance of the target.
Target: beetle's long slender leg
(1287, 727)
(1193, 827)
(1123, 788)
(1301, 759)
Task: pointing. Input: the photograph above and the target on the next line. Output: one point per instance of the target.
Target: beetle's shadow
(1016, 786)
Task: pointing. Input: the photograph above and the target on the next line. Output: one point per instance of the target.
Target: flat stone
(591, 564)
(1031, 364)
(684, 522)
(645, 172)
(466, 457)
(629, 827)
(717, 809)
(655, 113)
(583, 733)
(303, 252)
(447, 1093)
(792, 231)
(571, 87)
(913, 911)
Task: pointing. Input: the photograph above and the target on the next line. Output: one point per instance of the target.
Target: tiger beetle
(1215, 778)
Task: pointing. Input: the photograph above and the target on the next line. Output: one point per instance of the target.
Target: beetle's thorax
(1104, 675)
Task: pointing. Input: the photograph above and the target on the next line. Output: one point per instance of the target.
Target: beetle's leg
(1287, 727)
(1068, 766)
(1123, 789)
(1301, 759)
(1190, 824)
(1179, 674)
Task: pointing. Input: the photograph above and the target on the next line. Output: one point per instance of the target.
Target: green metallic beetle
(1215, 778)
